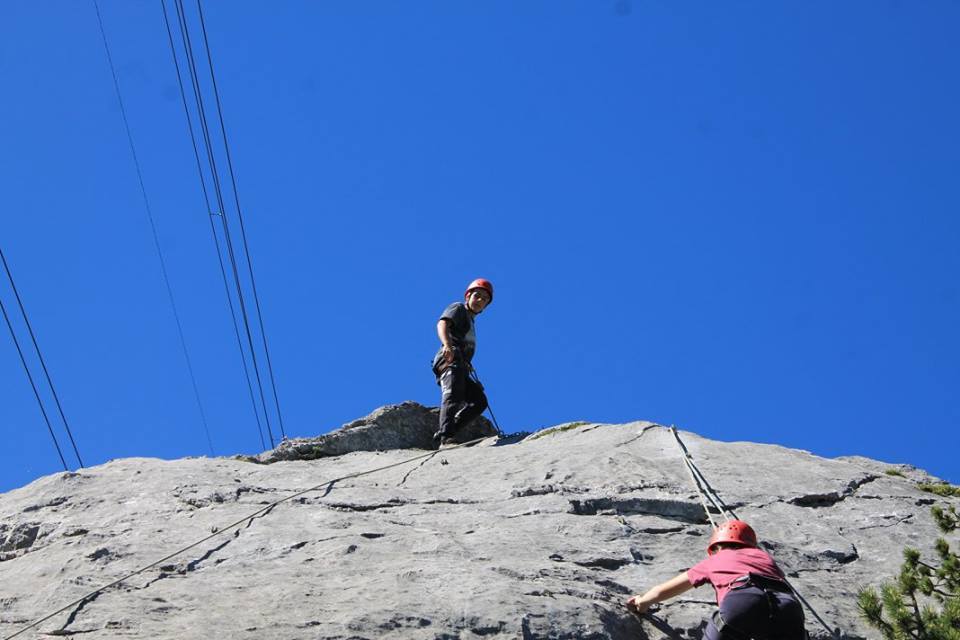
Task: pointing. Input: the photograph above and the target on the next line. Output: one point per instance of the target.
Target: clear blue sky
(738, 217)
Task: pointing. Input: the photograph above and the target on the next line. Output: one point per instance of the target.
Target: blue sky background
(737, 217)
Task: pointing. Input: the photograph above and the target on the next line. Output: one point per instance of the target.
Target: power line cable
(153, 228)
(213, 229)
(191, 66)
(36, 393)
(43, 363)
(243, 233)
(222, 530)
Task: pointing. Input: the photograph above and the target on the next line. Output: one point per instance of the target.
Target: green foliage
(940, 489)
(947, 520)
(923, 603)
(894, 472)
(557, 429)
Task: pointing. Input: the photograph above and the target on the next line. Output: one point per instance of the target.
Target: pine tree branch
(921, 628)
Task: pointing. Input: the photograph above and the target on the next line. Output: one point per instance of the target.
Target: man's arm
(663, 591)
(443, 332)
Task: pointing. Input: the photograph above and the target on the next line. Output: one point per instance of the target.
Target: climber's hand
(638, 605)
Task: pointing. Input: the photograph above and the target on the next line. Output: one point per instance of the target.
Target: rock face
(407, 425)
(544, 537)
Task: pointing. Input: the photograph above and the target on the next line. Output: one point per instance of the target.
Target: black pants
(461, 399)
(751, 612)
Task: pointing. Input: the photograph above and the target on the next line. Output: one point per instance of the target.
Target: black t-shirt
(463, 337)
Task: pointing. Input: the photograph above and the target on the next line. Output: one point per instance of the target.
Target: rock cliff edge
(542, 536)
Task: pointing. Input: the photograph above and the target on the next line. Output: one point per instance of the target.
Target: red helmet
(480, 283)
(736, 531)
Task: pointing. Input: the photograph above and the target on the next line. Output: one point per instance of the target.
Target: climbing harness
(261, 511)
(770, 588)
(706, 492)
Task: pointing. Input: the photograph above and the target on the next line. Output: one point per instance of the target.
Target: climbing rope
(707, 492)
(493, 418)
(700, 482)
(264, 510)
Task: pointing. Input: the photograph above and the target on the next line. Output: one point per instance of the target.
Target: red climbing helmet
(480, 283)
(736, 531)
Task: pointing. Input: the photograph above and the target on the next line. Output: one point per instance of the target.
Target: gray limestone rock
(407, 425)
(544, 537)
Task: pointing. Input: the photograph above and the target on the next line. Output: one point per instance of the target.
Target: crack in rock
(408, 473)
(56, 502)
(642, 433)
(545, 489)
(478, 627)
(604, 562)
(389, 504)
(651, 530)
(353, 506)
(62, 631)
(523, 514)
(843, 557)
(405, 622)
(168, 570)
(217, 497)
(819, 500)
(689, 512)
(658, 530)
(102, 552)
(888, 524)
(610, 564)
(614, 586)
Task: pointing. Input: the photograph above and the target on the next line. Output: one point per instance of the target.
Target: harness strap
(762, 582)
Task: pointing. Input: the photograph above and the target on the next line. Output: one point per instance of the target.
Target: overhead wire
(243, 233)
(204, 127)
(229, 527)
(36, 393)
(213, 230)
(153, 228)
(43, 365)
(211, 158)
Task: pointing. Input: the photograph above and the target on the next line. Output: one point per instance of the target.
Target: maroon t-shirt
(727, 565)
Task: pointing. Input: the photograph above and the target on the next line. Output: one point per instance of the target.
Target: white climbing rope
(700, 483)
(264, 510)
(707, 492)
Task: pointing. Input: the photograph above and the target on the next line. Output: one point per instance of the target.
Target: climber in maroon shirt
(753, 599)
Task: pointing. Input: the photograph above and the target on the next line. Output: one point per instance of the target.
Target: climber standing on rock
(461, 398)
(753, 598)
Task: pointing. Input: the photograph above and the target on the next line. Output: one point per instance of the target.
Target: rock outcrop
(544, 537)
(407, 425)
